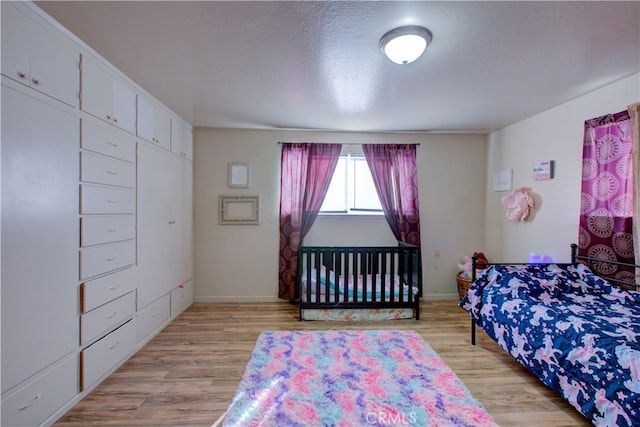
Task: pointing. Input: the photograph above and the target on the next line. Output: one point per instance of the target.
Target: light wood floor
(187, 375)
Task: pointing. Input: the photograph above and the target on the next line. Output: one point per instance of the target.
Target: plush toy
(481, 260)
(466, 265)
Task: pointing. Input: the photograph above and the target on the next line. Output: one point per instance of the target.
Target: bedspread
(576, 332)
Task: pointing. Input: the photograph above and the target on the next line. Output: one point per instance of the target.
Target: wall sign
(543, 170)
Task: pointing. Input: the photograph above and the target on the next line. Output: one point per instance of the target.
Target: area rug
(350, 378)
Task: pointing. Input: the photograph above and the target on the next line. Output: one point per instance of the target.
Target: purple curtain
(395, 176)
(305, 175)
(606, 210)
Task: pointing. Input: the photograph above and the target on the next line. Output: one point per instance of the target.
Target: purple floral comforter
(575, 331)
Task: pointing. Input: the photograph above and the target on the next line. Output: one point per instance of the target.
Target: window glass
(352, 190)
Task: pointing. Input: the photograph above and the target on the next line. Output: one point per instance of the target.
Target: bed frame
(590, 262)
(403, 260)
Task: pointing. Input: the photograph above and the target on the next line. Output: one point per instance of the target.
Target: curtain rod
(354, 143)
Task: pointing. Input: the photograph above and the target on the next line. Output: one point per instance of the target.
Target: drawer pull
(111, 201)
(114, 287)
(111, 172)
(29, 404)
(111, 258)
(115, 345)
(36, 82)
(22, 75)
(154, 314)
(111, 316)
(111, 230)
(112, 144)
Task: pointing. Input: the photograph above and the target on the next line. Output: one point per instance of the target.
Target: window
(352, 191)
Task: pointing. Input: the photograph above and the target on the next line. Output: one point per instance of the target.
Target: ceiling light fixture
(403, 45)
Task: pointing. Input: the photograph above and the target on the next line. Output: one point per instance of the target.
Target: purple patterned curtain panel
(305, 175)
(634, 112)
(606, 211)
(395, 176)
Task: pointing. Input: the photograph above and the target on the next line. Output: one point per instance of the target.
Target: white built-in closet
(97, 229)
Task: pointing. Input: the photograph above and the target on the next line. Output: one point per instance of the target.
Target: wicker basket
(463, 285)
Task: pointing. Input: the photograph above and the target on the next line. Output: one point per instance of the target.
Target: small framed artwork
(543, 170)
(502, 180)
(238, 209)
(239, 175)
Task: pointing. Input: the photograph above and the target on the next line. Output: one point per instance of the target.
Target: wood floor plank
(188, 374)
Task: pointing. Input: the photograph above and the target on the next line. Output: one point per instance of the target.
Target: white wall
(555, 134)
(240, 262)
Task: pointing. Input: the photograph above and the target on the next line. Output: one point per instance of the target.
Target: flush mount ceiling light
(403, 45)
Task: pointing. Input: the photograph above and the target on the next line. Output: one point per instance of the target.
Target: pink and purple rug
(350, 378)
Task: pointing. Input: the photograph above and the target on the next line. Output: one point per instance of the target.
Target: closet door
(155, 223)
(186, 227)
(39, 235)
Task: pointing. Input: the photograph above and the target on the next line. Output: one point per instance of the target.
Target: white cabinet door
(107, 97)
(16, 44)
(145, 129)
(165, 223)
(154, 123)
(155, 223)
(38, 57)
(39, 235)
(162, 126)
(186, 226)
(124, 106)
(181, 138)
(96, 89)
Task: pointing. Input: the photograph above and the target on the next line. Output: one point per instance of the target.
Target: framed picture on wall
(239, 175)
(502, 180)
(236, 210)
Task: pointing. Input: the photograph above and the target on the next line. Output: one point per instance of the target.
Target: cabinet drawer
(151, 317)
(103, 318)
(105, 170)
(105, 200)
(105, 229)
(106, 140)
(33, 404)
(103, 355)
(181, 298)
(100, 291)
(102, 259)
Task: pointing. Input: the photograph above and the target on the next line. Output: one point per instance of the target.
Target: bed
(577, 332)
(360, 283)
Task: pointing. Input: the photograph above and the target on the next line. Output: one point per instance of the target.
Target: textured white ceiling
(317, 65)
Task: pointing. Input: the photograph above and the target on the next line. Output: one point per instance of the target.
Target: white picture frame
(233, 209)
(239, 175)
(502, 180)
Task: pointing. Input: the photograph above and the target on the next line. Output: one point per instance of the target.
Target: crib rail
(333, 277)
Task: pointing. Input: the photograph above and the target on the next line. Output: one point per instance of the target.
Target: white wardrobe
(97, 228)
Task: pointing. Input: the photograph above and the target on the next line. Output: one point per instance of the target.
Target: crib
(360, 278)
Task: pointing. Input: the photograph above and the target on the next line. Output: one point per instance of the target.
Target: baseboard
(432, 297)
(237, 299)
(427, 297)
